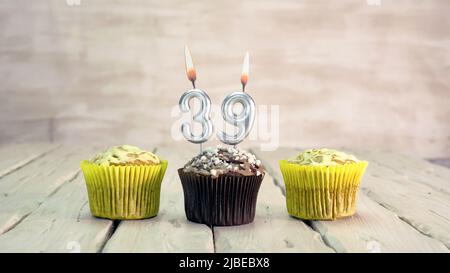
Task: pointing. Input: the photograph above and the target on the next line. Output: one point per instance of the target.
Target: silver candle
(244, 120)
(203, 115)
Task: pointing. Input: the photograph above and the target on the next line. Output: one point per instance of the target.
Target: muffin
(124, 182)
(322, 184)
(221, 186)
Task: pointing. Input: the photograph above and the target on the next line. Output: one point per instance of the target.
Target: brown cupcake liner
(223, 201)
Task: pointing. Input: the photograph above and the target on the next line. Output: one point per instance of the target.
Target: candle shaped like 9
(244, 120)
(203, 115)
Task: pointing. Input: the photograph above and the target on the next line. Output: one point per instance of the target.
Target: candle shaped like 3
(244, 120)
(203, 115)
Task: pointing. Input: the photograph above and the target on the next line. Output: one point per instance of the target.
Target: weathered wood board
(403, 206)
(18, 155)
(368, 230)
(169, 231)
(412, 169)
(63, 223)
(24, 191)
(375, 229)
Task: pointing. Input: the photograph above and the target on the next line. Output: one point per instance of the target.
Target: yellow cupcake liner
(322, 192)
(124, 192)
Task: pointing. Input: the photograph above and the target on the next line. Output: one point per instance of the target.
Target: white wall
(345, 74)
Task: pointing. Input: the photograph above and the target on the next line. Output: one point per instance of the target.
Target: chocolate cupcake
(221, 186)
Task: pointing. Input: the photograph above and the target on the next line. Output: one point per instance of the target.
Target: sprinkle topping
(225, 160)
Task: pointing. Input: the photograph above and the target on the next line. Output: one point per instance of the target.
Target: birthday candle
(244, 120)
(203, 115)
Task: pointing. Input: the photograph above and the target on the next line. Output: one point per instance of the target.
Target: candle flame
(190, 69)
(245, 70)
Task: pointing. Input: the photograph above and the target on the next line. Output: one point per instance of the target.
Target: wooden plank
(440, 161)
(169, 231)
(63, 223)
(22, 192)
(416, 190)
(375, 229)
(15, 156)
(413, 169)
(423, 207)
(374, 224)
(421, 165)
(272, 230)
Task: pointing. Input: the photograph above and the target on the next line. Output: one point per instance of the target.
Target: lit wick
(245, 69)
(190, 70)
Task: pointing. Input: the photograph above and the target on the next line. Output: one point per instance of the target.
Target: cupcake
(322, 184)
(124, 182)
(221, 186)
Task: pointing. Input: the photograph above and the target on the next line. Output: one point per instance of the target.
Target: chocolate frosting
(225, 160)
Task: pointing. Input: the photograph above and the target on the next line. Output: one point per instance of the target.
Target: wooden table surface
(403, 206)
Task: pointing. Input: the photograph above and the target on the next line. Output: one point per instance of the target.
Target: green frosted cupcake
(124, 182)
(322, 184)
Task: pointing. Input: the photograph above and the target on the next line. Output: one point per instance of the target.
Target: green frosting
(125, 155)
(323, 157)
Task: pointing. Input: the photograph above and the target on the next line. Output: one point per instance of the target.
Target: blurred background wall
(359, 74)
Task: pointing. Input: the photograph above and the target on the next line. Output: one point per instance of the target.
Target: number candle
(244, 120)
(203, 115)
